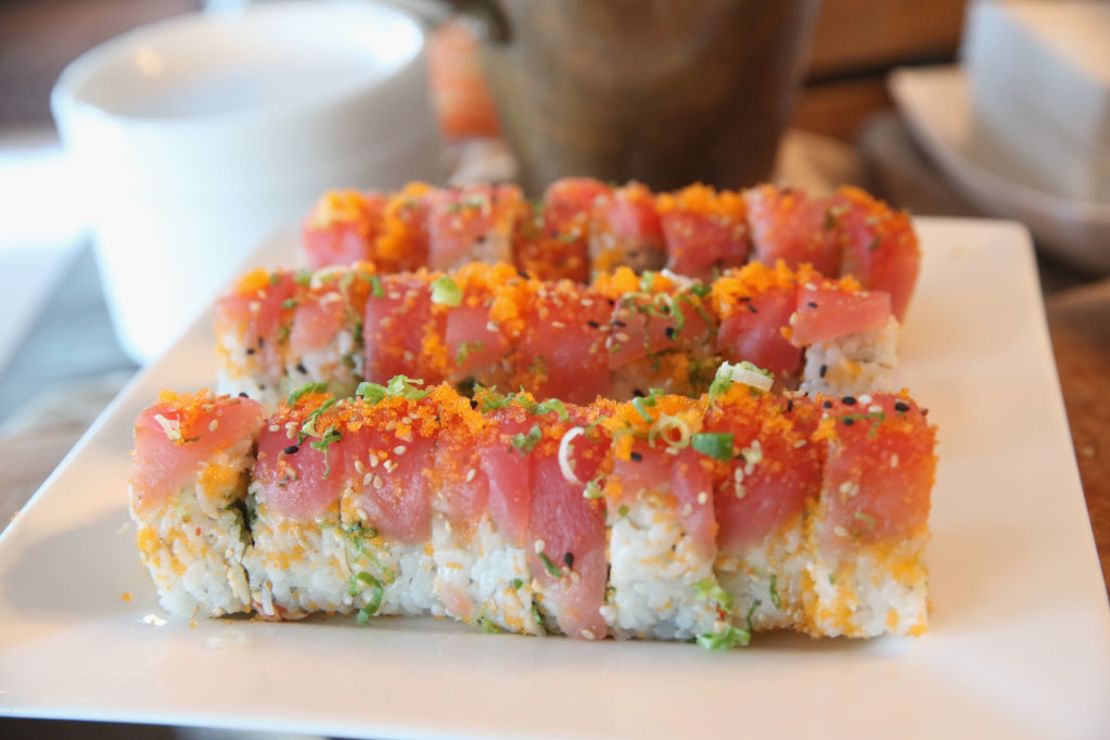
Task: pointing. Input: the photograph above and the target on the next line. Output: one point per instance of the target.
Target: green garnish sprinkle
(774, 589)
(371, 607)
(399, 386)
(552, 570)
(487, 625)
(305, 390)
(751, 611)
(525, 443)
(330, 436)
(865, 518)
(593, 490)
(717, 445)
(622, 510)
(709, 589)
(466, 348)
(376, 289)
(730, 638)
(289, 303)
(308, 429)
(303, 277)
(638, 404)
(446, 292)
(516, 583)
(551, 405)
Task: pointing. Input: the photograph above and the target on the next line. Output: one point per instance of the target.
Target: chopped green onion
(308, 428)
(553, 570)
(709, 589)
(552, 405)
(865, 518)
(305, 390)
(330, 436)
(638, 404)
(751, 611)
(622, 510)
(774, 590)
(700, 289)
(662, 429)
(289, 303)
(375, 603)
(466, 348)
(727, 639)
(488, 625)
(717, 445)
(446, 292)
(516, 583)
(371, 392)
(525, 443)
(647, 280)
(376, 289)
(593, 490)
(303, 278)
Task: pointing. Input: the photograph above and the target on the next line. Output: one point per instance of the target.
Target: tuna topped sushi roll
(488, 325)
(193, 455)
(664, 517)
(582, 227)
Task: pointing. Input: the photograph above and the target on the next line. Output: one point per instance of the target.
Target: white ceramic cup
(195, 137)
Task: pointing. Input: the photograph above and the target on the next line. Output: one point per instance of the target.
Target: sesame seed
(849, 488)
(470, 474)
(865, 398)
(875, 408)
(399, 450)
(840, 531)
(291, 449)
(894, 460)
(367, 478)
(588, 635)
(621, 337)
(214, 425)
(688, 509)
(703, 497)
(901, 407)
(824, 369)
(848, 401)
(538, 546)
(568, 558)
(378, 482)
(636, 457)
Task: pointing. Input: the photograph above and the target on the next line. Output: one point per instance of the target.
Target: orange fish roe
(187, 416)
(702, 199)
(643, 418)
(395, 248)
(340, 207)
(756, 278)
(252, 282)
(890, 225)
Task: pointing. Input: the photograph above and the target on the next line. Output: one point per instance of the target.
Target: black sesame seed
(593, 324)
(827, 404)
(848, 401)
(243, 394)
(745, 299)
(752, 308)
(637, 393)
(524, 274)
(619, 324)
(812, 304)
(568, 558)
(302, 369)
(261, 342)
(292, 449)
(669, 332)
(901, 407)
(824, 369)
(250, 350)
(848, 421)
(924, 412)
(636, 457)
(790, 405)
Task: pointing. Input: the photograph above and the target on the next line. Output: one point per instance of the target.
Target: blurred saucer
(937, 105)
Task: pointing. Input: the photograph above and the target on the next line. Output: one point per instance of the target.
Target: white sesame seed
(359, 467)
(849, 488)
(367, 478)
(274, 427)
(378, 483)
(840, 531)
(799, 443)
(588, 635)
(399, 450)
(538, 546)
(865, 399)
(389, 466)
(214, 425)
(622, 337)
(687, 510)
(894, 460)
(558, 324)
(373, 460)
(470, 474)
(875, 409)
(703, 497)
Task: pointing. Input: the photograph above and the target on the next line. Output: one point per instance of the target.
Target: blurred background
(946, 108)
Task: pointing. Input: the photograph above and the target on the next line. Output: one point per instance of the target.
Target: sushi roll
(664, 517)
(193, 455)
(582, 227)
(488, 325)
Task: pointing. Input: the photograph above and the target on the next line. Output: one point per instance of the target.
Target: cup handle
(487, 14)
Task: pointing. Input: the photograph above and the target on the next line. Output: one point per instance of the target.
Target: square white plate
(1019, 646)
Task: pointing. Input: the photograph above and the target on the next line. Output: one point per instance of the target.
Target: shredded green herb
(303, 278)
(304, 390)
(308, 428)
(638, 404)
(399, 386)
(731, 637)
(375, 603)
(376, 289)
(552, 570)
(774, 590)
(593, 490)
(709, 589)
(751, 611)
(552, 405)
(525, 443)
(446, 292)
(289, 303)
(330, 437)
(717, 445)
(466, 348)
(488, 625)
(516, 583)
